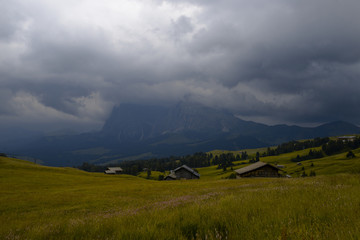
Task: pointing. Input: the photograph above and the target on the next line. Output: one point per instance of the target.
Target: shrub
(232, 176)
(350, 154)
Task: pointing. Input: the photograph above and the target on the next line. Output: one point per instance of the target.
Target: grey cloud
(10, 19)
(182, 26)
(282, 60)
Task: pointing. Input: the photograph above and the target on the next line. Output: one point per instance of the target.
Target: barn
(183, 172)
(258, 169)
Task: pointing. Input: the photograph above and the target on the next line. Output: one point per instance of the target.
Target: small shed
(258, 169)
(183, 172)
(113, 170)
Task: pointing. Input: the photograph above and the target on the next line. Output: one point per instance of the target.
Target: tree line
(226, 160)
(196, 160)
(293, 146)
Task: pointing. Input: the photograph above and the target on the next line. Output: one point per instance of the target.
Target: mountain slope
(139, 122)
(140, 131)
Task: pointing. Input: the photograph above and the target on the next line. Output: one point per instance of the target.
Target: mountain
(129, 122)
(135, 131)
(336, 128)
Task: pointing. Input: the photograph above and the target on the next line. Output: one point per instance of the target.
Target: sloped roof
(253, 167)
(171, 175)
(188, 169)
(115, 169)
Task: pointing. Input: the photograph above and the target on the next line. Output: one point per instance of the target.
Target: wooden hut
(258, 169)
(113, 170)
(183, 172)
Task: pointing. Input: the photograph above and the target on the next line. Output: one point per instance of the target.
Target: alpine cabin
(183, 172)
(258, 169)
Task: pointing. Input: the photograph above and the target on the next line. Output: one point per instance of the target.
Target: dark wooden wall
(182, 173)
(265, 171)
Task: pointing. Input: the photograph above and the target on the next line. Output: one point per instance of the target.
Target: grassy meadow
(327, 165)
(38, 202)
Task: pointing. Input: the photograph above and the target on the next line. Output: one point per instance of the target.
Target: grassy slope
(154, 175)
(323, 166)
(39, 202)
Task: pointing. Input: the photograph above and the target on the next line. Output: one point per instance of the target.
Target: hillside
(327, 165)
(39, 202)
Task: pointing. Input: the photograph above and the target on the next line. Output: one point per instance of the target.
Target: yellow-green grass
(327, 165)
(39, 202)
(338, 163)
(154, 175)
(252, 152)
(212, 173)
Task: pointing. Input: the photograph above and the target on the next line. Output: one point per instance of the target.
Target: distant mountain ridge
(135, 131)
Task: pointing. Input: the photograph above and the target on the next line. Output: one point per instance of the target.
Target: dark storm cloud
(279, 61)
(300, 55)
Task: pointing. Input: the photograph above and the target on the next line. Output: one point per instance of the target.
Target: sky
(65, 64)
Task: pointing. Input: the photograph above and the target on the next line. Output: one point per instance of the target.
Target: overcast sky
(65, 64)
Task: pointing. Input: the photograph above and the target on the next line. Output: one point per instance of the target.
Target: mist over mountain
(140, 122)
(135, 131)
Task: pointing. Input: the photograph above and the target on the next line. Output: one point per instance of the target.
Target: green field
(38, 202)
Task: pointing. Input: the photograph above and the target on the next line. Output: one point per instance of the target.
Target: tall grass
(61, 203)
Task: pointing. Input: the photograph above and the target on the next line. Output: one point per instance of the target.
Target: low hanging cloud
(67, 63)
